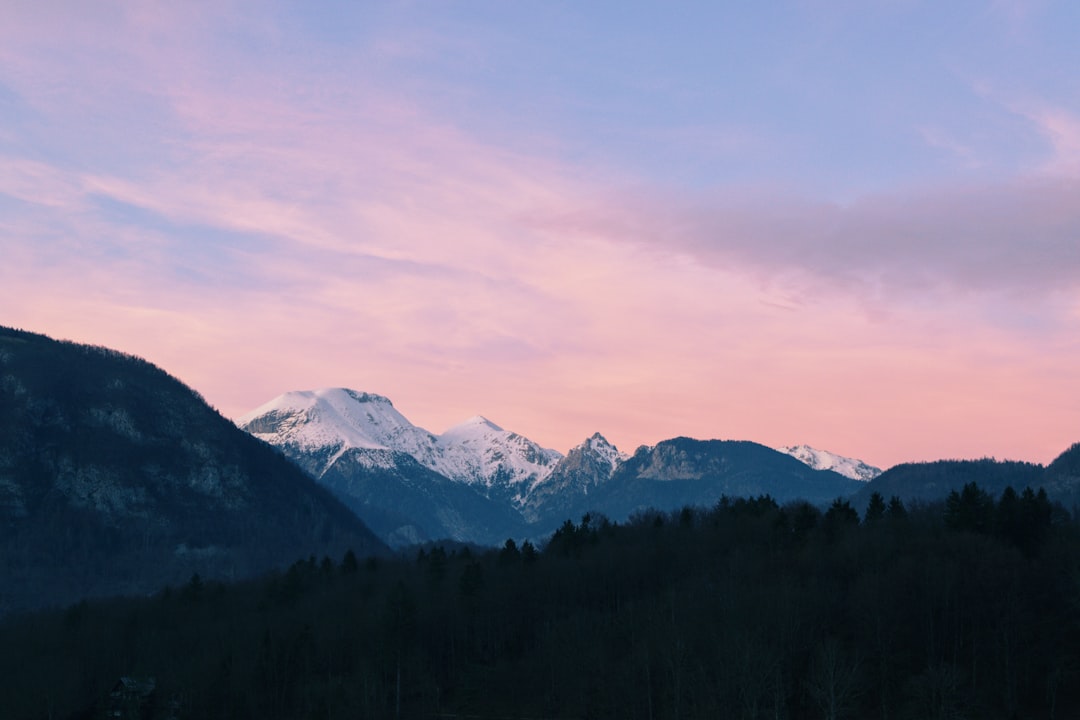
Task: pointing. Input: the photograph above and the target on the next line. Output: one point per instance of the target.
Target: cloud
(1062, 129)
(1020, 238)
(303, 222)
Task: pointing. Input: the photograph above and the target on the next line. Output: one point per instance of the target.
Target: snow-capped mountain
(409, 484)
(324, 424)
(478, 450)
(482, 483)
(824, 460)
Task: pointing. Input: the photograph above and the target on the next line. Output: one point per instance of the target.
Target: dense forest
(963, 608)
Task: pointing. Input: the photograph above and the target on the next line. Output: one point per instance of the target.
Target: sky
(854, 225)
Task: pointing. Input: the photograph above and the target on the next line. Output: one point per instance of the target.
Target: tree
(194, 588)
(972, 510)
(839, 517)
(833, 680)
(1007, 519)
(875, 511)
(509, 555)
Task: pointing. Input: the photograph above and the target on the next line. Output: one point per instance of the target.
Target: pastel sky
(852, 224)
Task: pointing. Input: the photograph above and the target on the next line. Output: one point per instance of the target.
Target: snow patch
(824, 460)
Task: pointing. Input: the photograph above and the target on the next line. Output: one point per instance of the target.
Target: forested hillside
(116, 478)
(966, 608)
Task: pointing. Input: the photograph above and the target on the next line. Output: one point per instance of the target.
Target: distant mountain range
(481, 483)
(116, 478)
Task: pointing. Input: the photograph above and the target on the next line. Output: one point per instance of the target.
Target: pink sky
(257, 208)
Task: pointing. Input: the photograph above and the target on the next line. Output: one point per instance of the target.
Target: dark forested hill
(117, 478)
(1062, 478)
(935, 480)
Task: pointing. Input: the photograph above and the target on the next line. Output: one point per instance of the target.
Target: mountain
(324, 423)
(507, 465)
(478, 482)
(117, 478)
(824, 460)
(567, 487)
(317, 427)
(407, 483)
(684, 471)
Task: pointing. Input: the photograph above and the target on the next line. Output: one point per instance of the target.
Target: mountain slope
(1062, 478)
(406, 503)
(117, 478)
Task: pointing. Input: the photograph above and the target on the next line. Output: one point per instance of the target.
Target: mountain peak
(333, 418)
(475, 422)
(599, 447)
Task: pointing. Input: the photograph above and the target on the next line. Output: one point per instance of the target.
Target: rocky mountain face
(116, 478)
(684, 471)
(566, 489)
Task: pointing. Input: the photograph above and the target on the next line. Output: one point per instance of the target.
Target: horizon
(852, 227)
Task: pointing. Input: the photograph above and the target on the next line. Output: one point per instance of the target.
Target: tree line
(749, 609)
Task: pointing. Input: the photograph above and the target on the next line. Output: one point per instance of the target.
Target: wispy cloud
(1062, 129)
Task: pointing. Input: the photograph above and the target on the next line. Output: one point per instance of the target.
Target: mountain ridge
(115, 477)
(533, 489)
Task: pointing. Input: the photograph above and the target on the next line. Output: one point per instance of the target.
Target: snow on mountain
(824, 460)
(333, 420)
(326, 423)
(478, 450)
